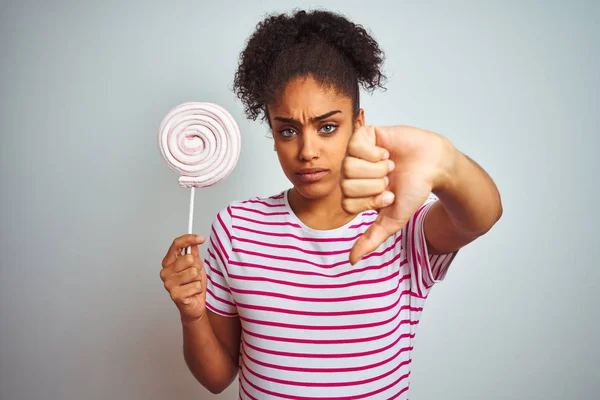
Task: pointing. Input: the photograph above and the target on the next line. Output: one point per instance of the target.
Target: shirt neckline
(317, 232)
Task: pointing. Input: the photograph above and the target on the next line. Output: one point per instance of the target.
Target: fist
(184, 277)
(422, 162)
(365, 173)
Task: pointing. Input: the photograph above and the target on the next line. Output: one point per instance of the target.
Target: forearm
(206, 357)
(469, 196)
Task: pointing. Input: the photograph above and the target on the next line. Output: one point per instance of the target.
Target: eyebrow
(314, 119)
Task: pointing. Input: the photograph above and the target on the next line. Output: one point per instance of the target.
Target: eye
(287, 132)
(329, 128)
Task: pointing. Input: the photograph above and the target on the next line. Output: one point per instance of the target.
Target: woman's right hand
(185, 278)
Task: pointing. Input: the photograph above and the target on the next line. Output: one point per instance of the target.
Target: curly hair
(336, 52)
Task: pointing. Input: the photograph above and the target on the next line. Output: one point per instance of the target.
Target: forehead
(304, 95)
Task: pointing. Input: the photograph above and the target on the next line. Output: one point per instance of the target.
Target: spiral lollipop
(201, 142)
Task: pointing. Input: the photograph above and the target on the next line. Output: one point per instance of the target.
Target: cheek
(341, 147)
(286, 156)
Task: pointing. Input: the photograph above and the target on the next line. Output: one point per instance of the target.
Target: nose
(308, 148)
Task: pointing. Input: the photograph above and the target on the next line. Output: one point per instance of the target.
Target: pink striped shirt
(313, 326)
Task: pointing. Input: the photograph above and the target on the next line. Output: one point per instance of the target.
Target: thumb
(377, 233)
(195, 246)
(363, 145)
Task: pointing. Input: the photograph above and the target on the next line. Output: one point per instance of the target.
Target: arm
(211, 349)
(421, 162)
(468, 208)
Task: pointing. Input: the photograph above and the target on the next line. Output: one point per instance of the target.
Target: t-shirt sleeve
(219, 298)
(426, 270)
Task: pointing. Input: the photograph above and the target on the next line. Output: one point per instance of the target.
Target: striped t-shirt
(313, 326)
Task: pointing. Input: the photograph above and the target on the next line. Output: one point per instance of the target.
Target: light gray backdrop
(89, 207)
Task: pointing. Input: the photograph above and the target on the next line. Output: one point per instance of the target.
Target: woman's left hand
(422, 162)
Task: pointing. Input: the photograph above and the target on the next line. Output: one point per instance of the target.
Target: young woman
(316, 291)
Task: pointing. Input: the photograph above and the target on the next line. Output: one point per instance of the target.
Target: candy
(201, 142)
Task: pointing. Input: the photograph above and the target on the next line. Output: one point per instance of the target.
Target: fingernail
(391, 165)
(387, 181)
(388, 197)
(386, 155)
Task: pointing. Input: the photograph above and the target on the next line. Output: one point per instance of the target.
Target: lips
(312, 174)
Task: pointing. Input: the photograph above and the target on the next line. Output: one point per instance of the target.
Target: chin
(315, 190)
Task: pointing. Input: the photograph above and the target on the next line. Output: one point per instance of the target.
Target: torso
(313, 325)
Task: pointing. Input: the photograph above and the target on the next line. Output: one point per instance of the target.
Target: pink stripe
(329, 341)
(326, 370)
(434, 263)
(217, 311)
(304, 261)
(412, 239)
(277, 196)
(329, 327)
(291, 259)
(215, 248)
(223, 225)
(316, 299)
(327, 355)
(245, 391)
(327, 384)
(399, 393)
(328, 313)
(317, 286)
(368, 223)
(281, 246)
(216, 271)
(304, 239)
(219, 299)
(255, 221)
(263, 203)
(292, 397)
(319, 253)
(215, 284)
(369, 213)
(311, 273)
(261, 212)
(326, 327)
(424, 261)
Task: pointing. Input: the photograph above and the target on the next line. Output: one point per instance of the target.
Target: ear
(360, 118)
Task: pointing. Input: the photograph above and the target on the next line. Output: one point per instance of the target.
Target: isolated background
(88, 207)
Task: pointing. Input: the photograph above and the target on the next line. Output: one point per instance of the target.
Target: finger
(362, 145)
(377, 233)
(186, 276)
(178, 245)
(185, 262)
(357, 205)
(183, 293)
(196, 250)
(357, 168)
(357, 188)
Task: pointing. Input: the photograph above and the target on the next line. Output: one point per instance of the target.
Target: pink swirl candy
(201, 142)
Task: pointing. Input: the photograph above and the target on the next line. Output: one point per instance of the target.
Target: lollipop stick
(191, 218)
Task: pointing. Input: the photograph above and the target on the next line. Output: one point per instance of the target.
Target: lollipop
(201, 142)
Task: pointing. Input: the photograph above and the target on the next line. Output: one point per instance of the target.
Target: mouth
(312, 174)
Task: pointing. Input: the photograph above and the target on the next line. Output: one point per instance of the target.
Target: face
(312, 126)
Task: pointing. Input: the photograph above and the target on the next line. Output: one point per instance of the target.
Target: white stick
(191, 218)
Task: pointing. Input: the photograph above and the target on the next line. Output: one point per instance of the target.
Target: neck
(328, 207)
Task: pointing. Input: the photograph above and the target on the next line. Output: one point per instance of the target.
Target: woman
(317, 291)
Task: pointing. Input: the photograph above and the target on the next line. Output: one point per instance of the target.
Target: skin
(365, 165)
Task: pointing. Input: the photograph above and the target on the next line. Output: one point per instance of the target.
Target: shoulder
(254, 206)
